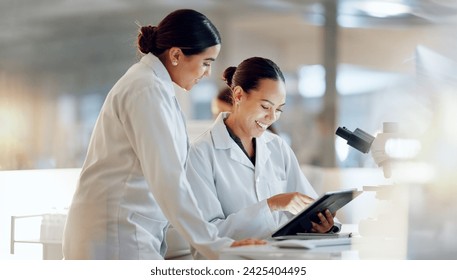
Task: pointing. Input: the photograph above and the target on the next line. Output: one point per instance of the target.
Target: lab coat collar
(222, 140)
(159, 69)
(221, 137)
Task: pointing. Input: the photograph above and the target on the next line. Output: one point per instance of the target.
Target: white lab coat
(232, 192)
(133, 182)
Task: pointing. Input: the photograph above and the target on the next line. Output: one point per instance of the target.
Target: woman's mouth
(262, 125)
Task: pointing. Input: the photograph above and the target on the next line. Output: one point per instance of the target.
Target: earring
(174, 63)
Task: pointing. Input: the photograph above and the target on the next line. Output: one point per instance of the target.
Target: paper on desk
(312, 243)
(311, 236)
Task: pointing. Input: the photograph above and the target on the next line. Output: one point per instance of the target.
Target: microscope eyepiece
(344, 133)
(358, 139)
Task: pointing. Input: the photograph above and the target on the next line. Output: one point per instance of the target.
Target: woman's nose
(207, 72)
(271, 115)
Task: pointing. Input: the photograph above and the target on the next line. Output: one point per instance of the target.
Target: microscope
(365, 142)
(386, 232)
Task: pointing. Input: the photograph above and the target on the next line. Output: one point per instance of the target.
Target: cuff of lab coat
(336, 228)
(269, 219)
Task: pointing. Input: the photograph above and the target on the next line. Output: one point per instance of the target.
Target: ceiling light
(383, 9)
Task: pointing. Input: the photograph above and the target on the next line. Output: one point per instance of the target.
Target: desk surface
(361, 247)
(268, 252)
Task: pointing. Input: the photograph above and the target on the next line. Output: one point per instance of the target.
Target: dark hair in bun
(249, 72)
(186, 29)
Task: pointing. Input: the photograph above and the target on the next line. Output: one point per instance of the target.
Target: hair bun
(148, 30)
(147, 39)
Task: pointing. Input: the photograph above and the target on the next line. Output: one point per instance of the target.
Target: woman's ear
(174, 55)
(237, 94)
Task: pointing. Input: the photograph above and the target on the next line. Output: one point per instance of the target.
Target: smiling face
(255, 111)
(187, 71)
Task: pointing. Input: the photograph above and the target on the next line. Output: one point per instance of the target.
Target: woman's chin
(258, 133)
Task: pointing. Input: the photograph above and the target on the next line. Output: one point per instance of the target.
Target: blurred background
(343, 60)
(347, 63)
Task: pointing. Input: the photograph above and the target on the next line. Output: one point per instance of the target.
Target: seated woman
(247, 180)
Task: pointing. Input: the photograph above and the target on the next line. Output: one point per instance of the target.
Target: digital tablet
(301, 223)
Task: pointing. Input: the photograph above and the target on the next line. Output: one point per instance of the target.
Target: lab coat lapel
(262, 154)
(222, 140)
(238, 155)
(183, 118)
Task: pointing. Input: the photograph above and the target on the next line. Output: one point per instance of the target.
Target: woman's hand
(293, 202)
(325, 224)
(248, 241)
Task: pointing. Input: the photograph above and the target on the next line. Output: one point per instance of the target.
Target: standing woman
(133, 182)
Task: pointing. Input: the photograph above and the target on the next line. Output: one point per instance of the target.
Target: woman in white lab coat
(133, 182)
(246, 179)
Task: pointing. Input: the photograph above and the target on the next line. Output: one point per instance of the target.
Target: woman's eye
(278, 110)
(264, 107)
(206, 64)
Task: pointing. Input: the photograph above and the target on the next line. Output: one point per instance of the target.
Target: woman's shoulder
(142, 86)
(203, 140)
(201, 147)
(213, 138)
(272, 138)
(276, 143)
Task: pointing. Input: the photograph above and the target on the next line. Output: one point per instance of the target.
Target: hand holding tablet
(301, 223)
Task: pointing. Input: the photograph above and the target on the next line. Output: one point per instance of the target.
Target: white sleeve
(254, 221)
(149, 123)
